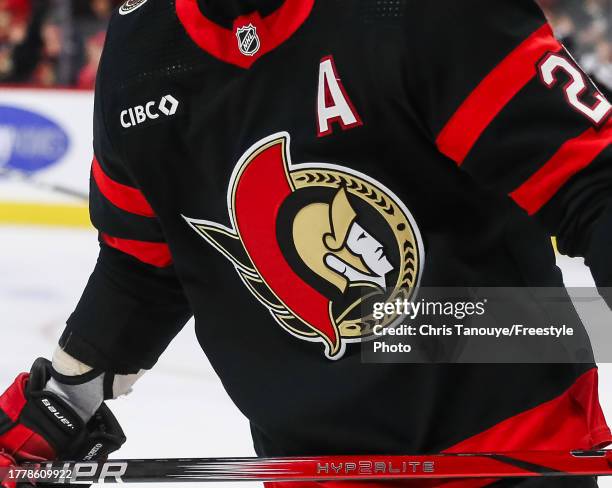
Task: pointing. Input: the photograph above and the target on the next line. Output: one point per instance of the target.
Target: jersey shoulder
(145, 40)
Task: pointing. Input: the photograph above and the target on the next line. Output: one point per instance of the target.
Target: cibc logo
(139, 114)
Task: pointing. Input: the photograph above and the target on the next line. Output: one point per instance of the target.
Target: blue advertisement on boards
(29, 141)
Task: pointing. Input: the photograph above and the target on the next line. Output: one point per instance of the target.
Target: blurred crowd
(59, 42)
(52, 42)
(585, 27)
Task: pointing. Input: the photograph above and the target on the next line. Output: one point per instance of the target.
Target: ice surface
(178, 410)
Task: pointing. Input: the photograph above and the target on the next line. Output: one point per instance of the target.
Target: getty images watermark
(489, 325)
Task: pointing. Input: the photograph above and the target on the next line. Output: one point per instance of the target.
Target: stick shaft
(42, 185)
(362, 467)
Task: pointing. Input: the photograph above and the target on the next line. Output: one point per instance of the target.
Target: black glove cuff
(105, 436)
(48, 414)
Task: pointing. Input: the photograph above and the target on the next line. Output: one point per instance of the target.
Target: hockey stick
(36, 183)
(361, 467)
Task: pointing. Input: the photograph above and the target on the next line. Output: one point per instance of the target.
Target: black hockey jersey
(259, 170)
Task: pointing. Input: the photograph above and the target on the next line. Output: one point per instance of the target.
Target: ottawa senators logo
(316, 244)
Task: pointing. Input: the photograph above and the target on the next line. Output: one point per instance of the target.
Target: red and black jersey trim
(126, 220)
(474, 40)
(273, 30)
(116, 222)
(153, 253)
(583, 427)
(516, 135)
(493, 94)
(576, 208)
(571, 158)
(526, 134)
(122, 196)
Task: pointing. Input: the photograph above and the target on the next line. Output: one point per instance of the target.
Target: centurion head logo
(316, 244)
(248, 40)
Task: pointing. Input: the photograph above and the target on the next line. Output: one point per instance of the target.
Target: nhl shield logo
(248, 40)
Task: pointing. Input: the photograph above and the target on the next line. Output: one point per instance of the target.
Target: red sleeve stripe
(573, 156)
(122, 196)
(489, 98)
(154, 253)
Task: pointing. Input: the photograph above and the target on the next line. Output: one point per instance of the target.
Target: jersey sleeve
(133, 304)
(506, 102)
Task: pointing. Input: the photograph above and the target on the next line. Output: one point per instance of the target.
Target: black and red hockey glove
(36, 425)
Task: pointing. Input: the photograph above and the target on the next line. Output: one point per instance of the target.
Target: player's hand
(36, 425)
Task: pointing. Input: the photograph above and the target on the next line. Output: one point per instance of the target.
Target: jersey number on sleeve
(576, 87)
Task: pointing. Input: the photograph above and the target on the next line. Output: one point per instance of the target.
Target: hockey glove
(37, 425)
